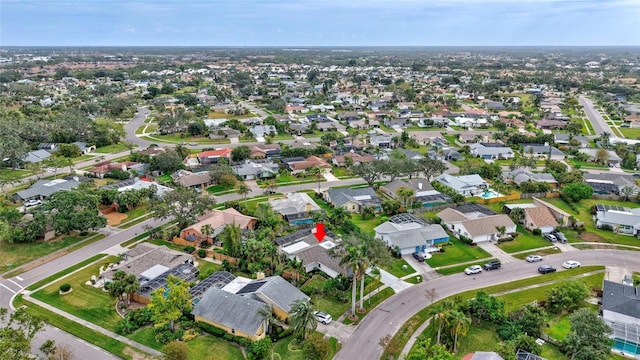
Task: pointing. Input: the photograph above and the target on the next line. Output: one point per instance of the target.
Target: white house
(467, 185)
(476, 226)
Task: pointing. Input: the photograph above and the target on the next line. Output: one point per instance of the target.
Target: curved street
(390, 315)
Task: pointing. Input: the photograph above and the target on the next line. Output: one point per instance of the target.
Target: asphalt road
(600, 126)
(9, 287)
(389, 316)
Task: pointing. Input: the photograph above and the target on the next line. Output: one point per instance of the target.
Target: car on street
(269, 191)
(322, 317)
(193, 144)
(492, 265)
(32, 202)
(473, 269)
(545, 269)
(570, 264)
(534, 258)
(418, 256)
(550, 237)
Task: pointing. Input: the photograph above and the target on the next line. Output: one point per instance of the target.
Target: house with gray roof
(521, 175)
(621, 219)
(424, 192)
(148, 261)
(42, 189)
(567, 139)
(36, 156)
(251, 170)
(353, 200)
(236, 314)
(491, 152)
(314, 255)
(540, 151)
(296, 208)
(612, 182)
(613, 158)
(621, 311)
(408, 234)
(467, 185)
(381, 141)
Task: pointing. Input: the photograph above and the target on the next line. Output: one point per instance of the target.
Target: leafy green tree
(183, 205)
(486, 307)
(74, 210)
(316, 347)
(589, 337)
(167, 162)
(240, 153)
(231, 238)
(302, 320)
(424, 349)
(369, 171)
(567, 296)
(577, 191)
(390, 207)
(69, 150)
(170, 303)
(17, 332)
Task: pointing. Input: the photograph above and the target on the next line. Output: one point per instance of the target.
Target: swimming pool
(489, 193)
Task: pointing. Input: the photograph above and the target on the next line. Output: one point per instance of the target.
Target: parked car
(534, 258)
(570, 264)
(418, 256)
(560, 236)
(473, 269)
(322, 317)
(545, 269)
(32, 202)
(269, 191)
(550, 237)
(492, 265)
(193, 144)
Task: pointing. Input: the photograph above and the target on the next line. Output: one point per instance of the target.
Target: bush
(65, 287)
(537, 232)
(189, 249)
(202, 253)
(466, 240)
(212, 330)
(165, 336)
(606, 227)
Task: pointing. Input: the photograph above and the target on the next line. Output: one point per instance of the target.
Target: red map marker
(319, 233)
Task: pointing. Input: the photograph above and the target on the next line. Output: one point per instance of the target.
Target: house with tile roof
(540, 218)
(477, 226)
(262, 151)
(217, 220)
(298, 167)
(212, 156)
(340, 160)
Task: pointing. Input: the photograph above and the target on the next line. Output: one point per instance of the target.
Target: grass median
(64, 272)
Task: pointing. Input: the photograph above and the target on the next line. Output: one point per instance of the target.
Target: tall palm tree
(269, 318)
(441, 316)
(363, 265)
(459, 325)
(207, 230)
(352, 259)
(338, 216)
(131, 286)
(317, 173)
(243, 190)
(302, 319)
(405, 194)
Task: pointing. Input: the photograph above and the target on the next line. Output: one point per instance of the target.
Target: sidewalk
(496, 252)
(393, 281)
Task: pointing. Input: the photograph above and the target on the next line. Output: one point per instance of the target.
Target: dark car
(418, 256)
(545, 269)
(269, 192)
(492, 265)
(560, 236)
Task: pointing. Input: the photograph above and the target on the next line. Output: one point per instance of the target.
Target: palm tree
(317, 173)
(441, 316)
(627, 192)
(131, 286)
(243, 190)
(35, 168)
(405, 194)
(363, 265)
(338, 216)
(302, 319)
(459, 322)
(604, 139)
(352, 259)
(269, 317)
(207, 230)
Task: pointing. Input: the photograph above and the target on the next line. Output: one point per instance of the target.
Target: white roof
(236, 284)
(154, 271)
(293, 248)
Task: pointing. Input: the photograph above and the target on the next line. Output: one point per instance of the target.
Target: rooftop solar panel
(251, 287)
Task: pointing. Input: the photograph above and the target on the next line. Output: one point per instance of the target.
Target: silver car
(534, 258)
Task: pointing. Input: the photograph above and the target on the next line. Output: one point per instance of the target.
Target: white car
(570, 264)
(534, 258)
(323, 317)
(473, 269)
(32, 202)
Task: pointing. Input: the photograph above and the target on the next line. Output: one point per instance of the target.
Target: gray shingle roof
(363, 196)
(280, 293)
(621, 299)
(46, 188)
(235, 311)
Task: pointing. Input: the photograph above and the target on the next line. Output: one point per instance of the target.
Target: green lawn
(17, 173)
(330, 305)
(84, 301)
(147, 337)
(216, 189)
(111, 149)
(455, 253)
(366, 225)
(525, 241)
(64, 272)
(372, 302)
(14, 255)
(211, 348)
(91, 336)
(282, 137)
(281, 347)
(177, 138)
(341, 172)
(630, 133)
(288, 178)
(397, 268)
(559, 327)
(585, 164)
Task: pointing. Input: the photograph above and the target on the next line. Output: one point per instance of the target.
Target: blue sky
(319, 22)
